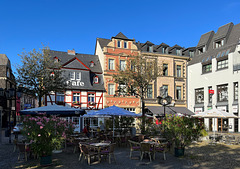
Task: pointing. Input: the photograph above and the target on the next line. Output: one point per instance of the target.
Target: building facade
(7, 81)
(84, 79)
(112, 53)
(213, 76)
(173, 61)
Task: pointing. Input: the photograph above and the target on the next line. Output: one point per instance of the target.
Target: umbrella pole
(113, 125)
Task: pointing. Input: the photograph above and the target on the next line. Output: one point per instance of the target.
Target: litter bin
(7, 133)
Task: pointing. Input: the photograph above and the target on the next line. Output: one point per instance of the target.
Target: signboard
(198, 110)
(211, 91)
(235, 108)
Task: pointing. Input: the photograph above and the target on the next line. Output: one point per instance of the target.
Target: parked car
(18, 128)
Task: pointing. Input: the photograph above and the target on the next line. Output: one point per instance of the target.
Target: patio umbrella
(115, 111)
(53, 110)
(215, 113)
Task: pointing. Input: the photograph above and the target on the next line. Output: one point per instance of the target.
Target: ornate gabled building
(213, 76)
(112, 53)
(173, 60)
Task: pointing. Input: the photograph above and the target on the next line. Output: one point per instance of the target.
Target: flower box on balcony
(76, 102)
(91, 103)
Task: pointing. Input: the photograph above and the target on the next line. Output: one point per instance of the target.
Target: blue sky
(75, 24)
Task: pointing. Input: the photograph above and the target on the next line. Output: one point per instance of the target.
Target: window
(222, 64)
(72, 75)
(118, 43)
(209, 95)
(149, 91)
(178, 51)
(202, 50)
(60, 97)
(178, 93)
(130, 109)
(219, 43)
(111, 90)
(122, 89)
(199, 96)
(93, 121)
(235, 90)
(8, 73)
(91, 64)
(78, 75)
(150, 48)
(95, 80)
(179, 68)
(122, 65)
(125, 44)
(191, 54)
(76, 97)
(91, 98)
(165, 87)
(165, 69)
(222, 93)
(163, 50)
(111, 64)
(207, 68)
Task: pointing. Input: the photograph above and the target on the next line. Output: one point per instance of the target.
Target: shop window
(235, 88)
(149, 91)
(199, 95)
(222, 93)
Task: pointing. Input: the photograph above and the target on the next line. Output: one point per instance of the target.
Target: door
(76, 120)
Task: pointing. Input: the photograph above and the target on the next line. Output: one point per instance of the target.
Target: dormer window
(219, 43)
(202, 50)
(125, 45)
(178, 51)
(95, 80)
(56, 60)
(118, 43)
(91, 64)
(150, 48)
(191, 54)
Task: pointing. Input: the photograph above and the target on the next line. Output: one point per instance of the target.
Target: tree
(139, 73)
(40, 73)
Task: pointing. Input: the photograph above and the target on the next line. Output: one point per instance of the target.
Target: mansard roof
(233, 34)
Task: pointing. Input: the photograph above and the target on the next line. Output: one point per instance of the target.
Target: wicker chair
(161, 148)
(87, 153)
(109, 151)
(134, 146)
(146, 148)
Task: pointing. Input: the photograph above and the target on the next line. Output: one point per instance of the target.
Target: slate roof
(4, 60)
(84, 58)
(231, 43)
(223, 31)
(204, 40)
(81, 61)
(103, 42)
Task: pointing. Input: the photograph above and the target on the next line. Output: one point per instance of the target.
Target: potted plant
(76, 102)
(91, 103)
(45, 135)
(181, 131)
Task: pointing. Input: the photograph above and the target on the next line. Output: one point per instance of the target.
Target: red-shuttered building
(84, 79)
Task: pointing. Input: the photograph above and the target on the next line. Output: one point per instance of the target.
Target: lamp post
(164, 99)
(9, 94)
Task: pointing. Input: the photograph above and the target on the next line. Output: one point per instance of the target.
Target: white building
(216, 67)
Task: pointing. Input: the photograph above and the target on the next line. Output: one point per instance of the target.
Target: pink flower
(28, 134)
(41, 127)
(39, 135)
(39, 123)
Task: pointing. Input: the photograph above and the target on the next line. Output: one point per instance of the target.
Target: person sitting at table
(86, 130)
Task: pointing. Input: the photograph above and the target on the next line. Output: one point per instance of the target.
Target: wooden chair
(23, 149)
(109, 151)
(134, 146)
(160, 148)
(87, 153)
(146, 148)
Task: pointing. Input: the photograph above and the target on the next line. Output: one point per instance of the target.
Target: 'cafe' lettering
(75, 83)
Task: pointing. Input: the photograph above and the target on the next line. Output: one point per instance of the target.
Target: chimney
(71, 52)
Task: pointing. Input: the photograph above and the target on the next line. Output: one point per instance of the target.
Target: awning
(53, 110)
(159, 110)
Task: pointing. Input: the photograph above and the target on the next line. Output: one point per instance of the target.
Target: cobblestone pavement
(197, 156)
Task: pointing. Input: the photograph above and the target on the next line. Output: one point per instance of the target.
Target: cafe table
(99, 146)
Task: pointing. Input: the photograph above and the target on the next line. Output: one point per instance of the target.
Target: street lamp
(10, 94)
(164, 99)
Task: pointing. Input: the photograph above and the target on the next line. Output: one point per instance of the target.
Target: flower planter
(179, 152)
(46, 160)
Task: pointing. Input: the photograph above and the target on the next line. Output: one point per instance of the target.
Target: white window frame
(78, 75)
(72, 75)
(111, 89)
(122, 65)
(111, 64)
